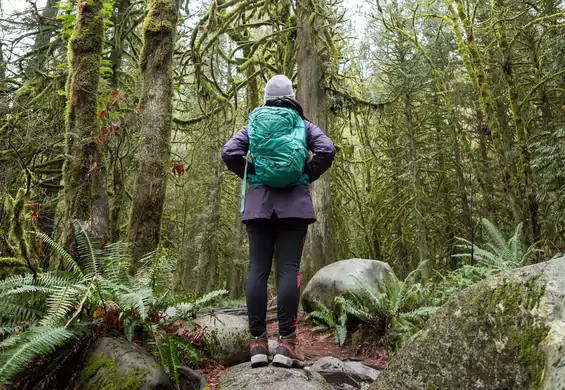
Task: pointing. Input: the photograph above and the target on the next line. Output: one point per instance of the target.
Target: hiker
(279, 154)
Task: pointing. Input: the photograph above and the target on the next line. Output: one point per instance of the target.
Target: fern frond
(59, 303)
(341, 328)
(139, 300)
(16, 312)
(89, 252)
(32, 343)
(116, 262)
(68, 262)
(188, 309)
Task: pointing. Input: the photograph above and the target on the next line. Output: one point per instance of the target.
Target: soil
(313, 345)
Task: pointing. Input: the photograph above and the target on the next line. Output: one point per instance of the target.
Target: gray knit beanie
(279, 86)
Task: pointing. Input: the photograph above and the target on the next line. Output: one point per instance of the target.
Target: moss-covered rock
(243, 377)
(504, 333)
(115, 364)
(227, 338)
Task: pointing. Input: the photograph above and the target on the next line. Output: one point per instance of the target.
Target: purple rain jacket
(295, 202)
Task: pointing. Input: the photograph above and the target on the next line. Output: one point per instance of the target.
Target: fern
(169, 350)
(341, 328)
(189, 309)
(141, 300)
(500, 254)
(40, 313)
(35, 341)
(322, 318)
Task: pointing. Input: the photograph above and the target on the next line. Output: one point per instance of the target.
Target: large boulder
(114, 363)
(507, 332)
(227, 338)
(243, 377)
(340, 278)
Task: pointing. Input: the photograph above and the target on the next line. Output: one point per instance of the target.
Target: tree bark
(116, 57)
(208, 242)
(418, 207)
(86, 198)
(311, 94)
(42, 39)
(156, 119)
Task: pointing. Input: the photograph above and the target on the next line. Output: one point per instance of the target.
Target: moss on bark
(156, 105)
(86, 198)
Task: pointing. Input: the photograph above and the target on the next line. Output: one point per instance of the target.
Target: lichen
(508, 308)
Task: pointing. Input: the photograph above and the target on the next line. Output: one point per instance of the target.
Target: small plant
(325, 318)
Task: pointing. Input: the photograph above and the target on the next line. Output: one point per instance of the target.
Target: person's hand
(311, 156)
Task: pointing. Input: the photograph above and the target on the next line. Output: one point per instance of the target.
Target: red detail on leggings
(294, 321)
(297, 280)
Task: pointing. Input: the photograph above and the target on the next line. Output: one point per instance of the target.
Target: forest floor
(313, 345)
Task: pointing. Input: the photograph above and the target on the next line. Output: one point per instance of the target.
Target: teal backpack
(277, 149)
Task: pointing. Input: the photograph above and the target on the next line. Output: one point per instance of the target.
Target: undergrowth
(397, 309)
(39, 314)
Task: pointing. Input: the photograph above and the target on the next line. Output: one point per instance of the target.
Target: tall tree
(156, 121)
(311, 92)
(84, 173)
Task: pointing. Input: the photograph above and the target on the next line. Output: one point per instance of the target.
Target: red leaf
(114, 95)
(103, 114)
(178, 169)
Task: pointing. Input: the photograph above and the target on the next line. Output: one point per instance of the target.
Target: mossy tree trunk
(86, 197)
(116, 57)
(471, 55)
(156, 120)
(417, 185)
(236, 273)
(210, 229)
(312, 95)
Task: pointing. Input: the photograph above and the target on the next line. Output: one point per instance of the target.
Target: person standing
(279, 153)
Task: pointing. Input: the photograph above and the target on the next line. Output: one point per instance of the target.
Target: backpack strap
(244, 184)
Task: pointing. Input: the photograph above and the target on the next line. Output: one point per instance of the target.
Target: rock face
(340, 375)
(504, 333)
(115, 363)
(342, 277)
(243, 377)
(227, 338)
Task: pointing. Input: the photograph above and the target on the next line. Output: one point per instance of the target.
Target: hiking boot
(286, 354)
(259, 347)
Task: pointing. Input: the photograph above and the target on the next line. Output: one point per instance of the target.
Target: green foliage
(500, 254)
(392, 309)
(325, 318)
(40, 314)
(172, 351)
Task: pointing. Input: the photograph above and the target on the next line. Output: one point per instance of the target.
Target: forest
(448, 117)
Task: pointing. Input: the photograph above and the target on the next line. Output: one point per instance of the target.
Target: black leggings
(287, 235)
